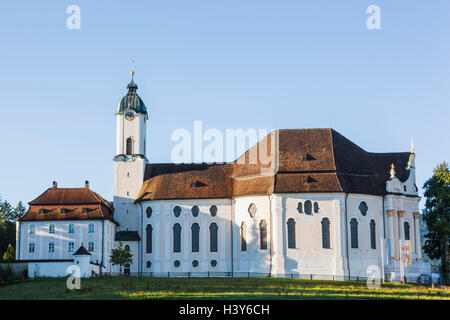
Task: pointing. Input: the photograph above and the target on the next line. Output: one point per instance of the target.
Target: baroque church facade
(300, 202)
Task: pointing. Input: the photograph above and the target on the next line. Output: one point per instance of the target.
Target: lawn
(213, 288)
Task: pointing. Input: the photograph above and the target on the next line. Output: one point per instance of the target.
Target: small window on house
(316, 207)
(363, 208)
(85, 210)
(195, 210)
(176, 263)
(63, 210)
(148, 264)
(149, 212)
(213, 210)
(71, 228)
(71, 246)
(308, 207)
(127, 247)
(51, 247)
(91, 246)
(300, 207)
(41, 211)
(213, 263)
(51, 228)
(32, 229)
(176, 211)
(31, 247)
(91, 228)
(195, 263)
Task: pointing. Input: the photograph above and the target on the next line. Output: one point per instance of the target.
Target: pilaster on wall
(418, 247)
(390, 215)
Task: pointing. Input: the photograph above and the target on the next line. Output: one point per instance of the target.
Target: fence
(422, 279)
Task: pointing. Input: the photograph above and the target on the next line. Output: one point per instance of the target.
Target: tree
(8, 217)
(121, 257)
(9, 254)
(437, 217)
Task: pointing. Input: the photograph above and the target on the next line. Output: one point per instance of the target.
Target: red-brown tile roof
(73, 201)
(309, 160)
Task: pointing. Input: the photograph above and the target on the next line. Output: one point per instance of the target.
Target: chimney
(55, 184)
(86, 184)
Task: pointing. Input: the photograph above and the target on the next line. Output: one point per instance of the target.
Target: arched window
(176, 237)
(91, 228)
(127, 247)
(363, 208)
(91, 246)
(308, 207)
(71, 246)
(213, 237)
(51, 247)
(263, 235)
(195, 229)
(291, 233)
(51, 228)
(129, 146)
(373, 237)
(243, 237)
(325, 233)
(148, 237)
(406, 227)
(316, 207)
(354, 232)
(71, 228)
(31, 247)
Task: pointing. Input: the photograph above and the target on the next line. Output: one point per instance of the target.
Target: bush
(7, 274)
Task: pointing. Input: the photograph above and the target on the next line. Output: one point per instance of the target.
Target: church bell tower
(130, 159)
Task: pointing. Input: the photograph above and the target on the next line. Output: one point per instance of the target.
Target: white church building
(299, 202)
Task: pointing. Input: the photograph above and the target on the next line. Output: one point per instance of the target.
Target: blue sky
(232, 64)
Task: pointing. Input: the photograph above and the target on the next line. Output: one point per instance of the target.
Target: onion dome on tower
(131, 101)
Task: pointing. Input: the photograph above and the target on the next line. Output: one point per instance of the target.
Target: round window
(195, 210)
(177, 211)
(195, 263)
(213, 263)
(149, 212)
(213, 210)
(176, 263)
(252, 210)
(149, 264)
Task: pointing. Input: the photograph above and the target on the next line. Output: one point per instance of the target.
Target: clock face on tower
(129, 116)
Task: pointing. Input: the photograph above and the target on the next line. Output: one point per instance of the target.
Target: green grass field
(213, 288)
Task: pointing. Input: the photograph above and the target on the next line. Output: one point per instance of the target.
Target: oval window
(176, 211)
(176, 263)
(195, 210)
(363, 208)
(213, 263)
(213, 210)
(149, 212)
(195, 263)
(252, 210)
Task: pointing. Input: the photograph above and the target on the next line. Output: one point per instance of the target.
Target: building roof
(127, 236)
(81, 251)
(68, 204)
(131, 101)
(309, 160)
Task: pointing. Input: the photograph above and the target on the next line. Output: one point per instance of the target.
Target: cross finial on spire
(412, 145)
(132, 69)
